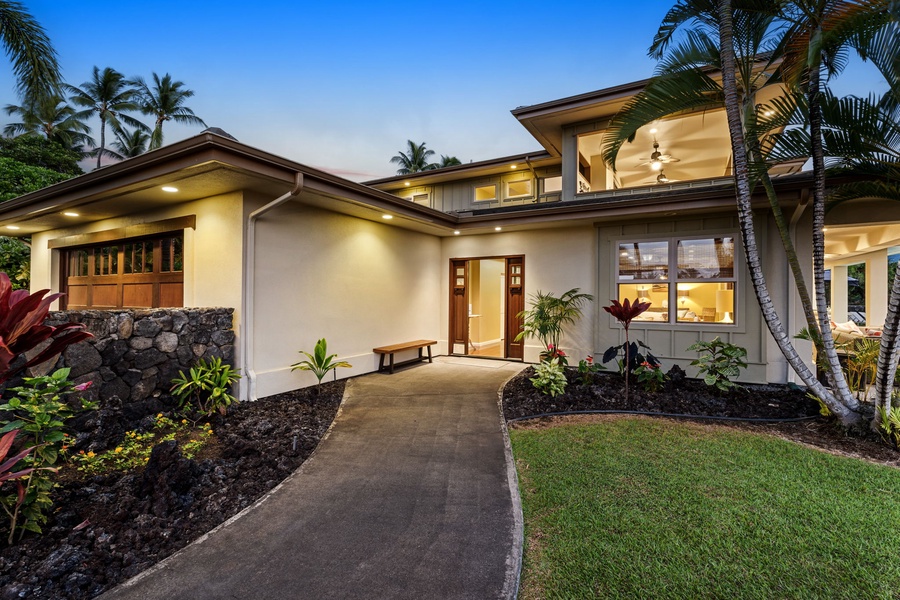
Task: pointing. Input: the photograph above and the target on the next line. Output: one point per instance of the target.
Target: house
(451, 254)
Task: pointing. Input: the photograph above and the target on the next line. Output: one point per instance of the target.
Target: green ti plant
(547, 317)
(40, 411)
(206, 387)
(319, 362)
(719, 362)
(550, 378)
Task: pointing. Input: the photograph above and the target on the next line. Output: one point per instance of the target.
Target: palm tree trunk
(888, 355)
(102, 139)
(835, 372)
(745, 216)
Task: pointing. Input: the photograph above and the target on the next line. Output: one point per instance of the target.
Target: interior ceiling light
(661, 178)
(456, 232)
(71, 214)
(654, 130)
(169, 188)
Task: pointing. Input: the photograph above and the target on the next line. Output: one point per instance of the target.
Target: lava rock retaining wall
(135, 354)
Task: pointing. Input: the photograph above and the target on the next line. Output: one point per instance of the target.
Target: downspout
(247, 319)
(537, 182)
(792, 231)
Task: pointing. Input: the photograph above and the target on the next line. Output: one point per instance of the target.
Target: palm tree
(414, 160)
(129, 144)
(29, 48)
(165, 101)
(52, 118)
(108, 95)
(448, 161)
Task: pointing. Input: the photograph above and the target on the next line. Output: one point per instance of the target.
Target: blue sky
(342, 86)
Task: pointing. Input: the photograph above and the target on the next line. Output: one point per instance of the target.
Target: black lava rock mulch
(106, 529)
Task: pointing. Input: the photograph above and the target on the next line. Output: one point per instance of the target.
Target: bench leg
(421, 358)
(429, 355)
(380, 363)
(392, 363)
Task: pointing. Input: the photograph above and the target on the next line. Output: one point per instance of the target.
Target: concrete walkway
(410, 496)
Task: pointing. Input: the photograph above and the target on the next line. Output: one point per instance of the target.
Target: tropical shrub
(548, 315)
(553, 352)
(550, 378)
(12, 502)
(586, 369)
(719, 362)
(22, 328)
(889, 424)
(40, 412)
(862, 364)
(624, 313)
(650, 376)
(319, 362)
(206, 386)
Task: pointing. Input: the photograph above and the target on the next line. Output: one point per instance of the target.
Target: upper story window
(518, 189)
(686, 280)
(486, 193)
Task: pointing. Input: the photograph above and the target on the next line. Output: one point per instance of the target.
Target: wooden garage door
(131, 273)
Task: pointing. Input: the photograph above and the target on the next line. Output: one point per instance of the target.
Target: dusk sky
(342, 85)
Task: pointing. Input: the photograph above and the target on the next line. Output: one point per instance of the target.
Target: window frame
(672, 279)
(477, 186)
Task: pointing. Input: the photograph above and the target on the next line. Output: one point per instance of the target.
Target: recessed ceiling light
(13, 227)
(406, 183)
(387, 217)
(654, 130)
(169, 188)
(497, 228)
(456, 232)
(512, 166)
(71, 214)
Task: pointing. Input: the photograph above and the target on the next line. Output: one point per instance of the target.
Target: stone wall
(135, 354)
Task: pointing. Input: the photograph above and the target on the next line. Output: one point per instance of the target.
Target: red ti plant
(624, 313)
(22, 327)
(11, 504)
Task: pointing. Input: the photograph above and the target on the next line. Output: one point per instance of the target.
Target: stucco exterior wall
(212, 251)
(556, 260)
(357, 283)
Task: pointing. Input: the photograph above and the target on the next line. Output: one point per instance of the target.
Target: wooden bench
(418, 344)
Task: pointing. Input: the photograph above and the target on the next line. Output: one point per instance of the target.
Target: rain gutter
(247, 316)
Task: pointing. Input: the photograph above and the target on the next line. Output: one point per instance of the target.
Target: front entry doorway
(486, 296)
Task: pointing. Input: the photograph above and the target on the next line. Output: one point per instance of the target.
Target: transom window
(485, 193)
(686, 280)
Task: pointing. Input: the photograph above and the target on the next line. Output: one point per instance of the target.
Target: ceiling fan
(657, 158)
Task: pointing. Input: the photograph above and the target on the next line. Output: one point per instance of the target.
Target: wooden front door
(515, 304)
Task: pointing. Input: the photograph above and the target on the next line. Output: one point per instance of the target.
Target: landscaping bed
(686, 396)
(105, 529)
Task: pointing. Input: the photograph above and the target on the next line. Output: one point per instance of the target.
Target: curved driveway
(412, 495)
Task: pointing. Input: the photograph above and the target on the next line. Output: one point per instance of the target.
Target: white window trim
(476, 187)
(528, 194)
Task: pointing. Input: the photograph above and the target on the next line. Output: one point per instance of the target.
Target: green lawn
(641, 508)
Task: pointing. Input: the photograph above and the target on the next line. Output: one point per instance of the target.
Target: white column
(839, 293)
(876, 288)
